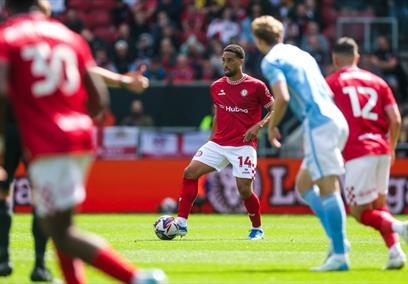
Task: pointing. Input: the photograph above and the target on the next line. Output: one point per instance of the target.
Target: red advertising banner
(142, 185)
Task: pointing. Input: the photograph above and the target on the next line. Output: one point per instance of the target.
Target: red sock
(73, 269)
(108, 261)
(381, 221)
(390, 239)
(254, 209)
(189, 193)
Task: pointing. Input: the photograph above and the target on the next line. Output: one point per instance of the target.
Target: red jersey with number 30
(46, 63)
(238, 106)
(363, 98)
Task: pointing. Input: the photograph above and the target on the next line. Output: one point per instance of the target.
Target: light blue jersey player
(296, 80)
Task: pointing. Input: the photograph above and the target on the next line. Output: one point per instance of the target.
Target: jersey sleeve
(4, 54)
(266, 98)
(272, 72)
(86, 53)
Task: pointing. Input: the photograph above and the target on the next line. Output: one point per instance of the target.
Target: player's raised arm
(135, 82)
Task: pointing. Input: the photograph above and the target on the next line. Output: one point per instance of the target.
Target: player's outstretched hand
(274, 136)
(138, 83)
(251, 133)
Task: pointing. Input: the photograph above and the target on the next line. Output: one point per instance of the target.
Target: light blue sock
(336, 218)
(312, 199)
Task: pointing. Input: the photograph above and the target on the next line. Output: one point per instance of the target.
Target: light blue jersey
(310, 98)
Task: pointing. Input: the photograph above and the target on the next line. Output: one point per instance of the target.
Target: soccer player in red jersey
(45, 70)
(371, 112)
(238, 101)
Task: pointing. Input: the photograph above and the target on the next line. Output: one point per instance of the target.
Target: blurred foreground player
(45, 71)
(371, 111)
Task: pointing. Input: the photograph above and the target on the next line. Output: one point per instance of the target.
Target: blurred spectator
(124, 34)
(246, 33)
(122, 61)
(102, 59)
(213, 8)
(93, 41)
(144, 48)
(391, 68)
(321, 56)
(238, 8)
(138, 24)
(161, 29)
(167, 53)
(292, 35)
(73, 22)
(208, 72)
(155, 70)
(313, 30)
(137, 117)
(148, 7)
(120, 13)
(173, 8)
(224, 29)
(215, 55)
(182, 72)
(192, 23)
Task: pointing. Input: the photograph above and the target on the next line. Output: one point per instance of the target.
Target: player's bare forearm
(214, 126)
(394, 118)
(281, 93)
(136, 83)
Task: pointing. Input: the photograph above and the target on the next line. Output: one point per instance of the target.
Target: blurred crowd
(182, 40)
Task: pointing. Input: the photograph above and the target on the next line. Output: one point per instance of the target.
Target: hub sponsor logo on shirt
(236, 109)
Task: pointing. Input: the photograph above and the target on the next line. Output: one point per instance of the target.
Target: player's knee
(356, 213)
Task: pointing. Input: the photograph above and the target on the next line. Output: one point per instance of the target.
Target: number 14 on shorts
(245, 161)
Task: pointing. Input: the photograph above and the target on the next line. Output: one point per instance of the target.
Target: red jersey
(46, 68)
(238, 106)
(363, 98)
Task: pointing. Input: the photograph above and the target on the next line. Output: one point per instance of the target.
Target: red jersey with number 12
(238, 106)
(363, 98)
(46, 63)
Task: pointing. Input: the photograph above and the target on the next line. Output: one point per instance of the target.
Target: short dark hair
(236, 49)
(20, 5)
(346, 46)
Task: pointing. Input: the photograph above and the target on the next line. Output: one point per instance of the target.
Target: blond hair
(268, 29)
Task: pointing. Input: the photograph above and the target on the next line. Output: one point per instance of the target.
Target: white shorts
(322, 149)
(243, 158)
(366, 178)
(58, 182)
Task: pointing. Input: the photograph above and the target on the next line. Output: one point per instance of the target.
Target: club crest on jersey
(221, 93)
(244, 92)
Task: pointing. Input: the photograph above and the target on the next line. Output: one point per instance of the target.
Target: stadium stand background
(181, 43)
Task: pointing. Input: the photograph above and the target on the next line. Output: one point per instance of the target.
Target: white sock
(257, 228)
(340, 257)
(395, 250)
(181, 221)
(397, 227)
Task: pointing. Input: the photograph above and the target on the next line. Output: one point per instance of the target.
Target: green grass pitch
(216, 250)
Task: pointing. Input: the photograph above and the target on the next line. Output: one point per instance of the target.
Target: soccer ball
(165, 227)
